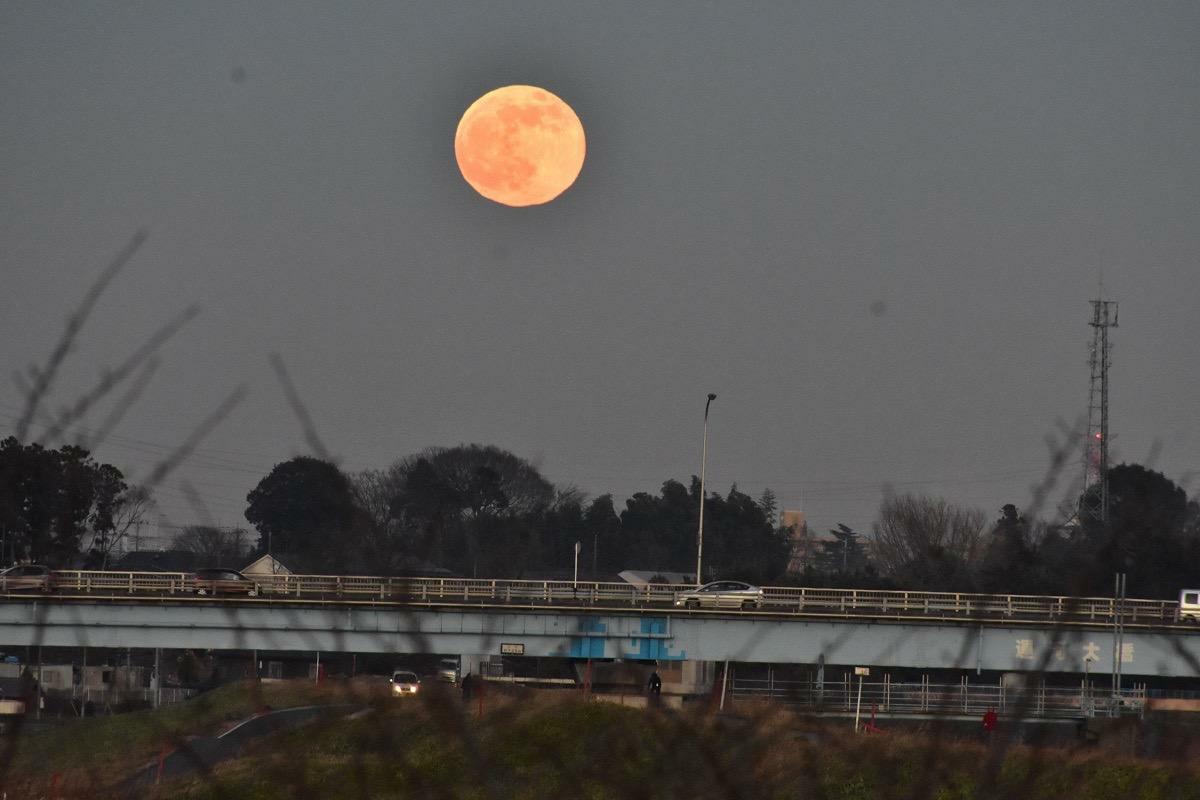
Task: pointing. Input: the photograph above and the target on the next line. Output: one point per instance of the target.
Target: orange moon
(520, 146)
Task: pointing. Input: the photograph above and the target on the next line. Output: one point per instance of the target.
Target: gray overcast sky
(871, 228)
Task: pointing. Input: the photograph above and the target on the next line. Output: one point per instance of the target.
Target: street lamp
(703, 462)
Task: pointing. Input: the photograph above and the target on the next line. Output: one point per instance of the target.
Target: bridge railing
(133, 583)
(779, 600)
(463, 590)
(888, 602)
(957, 699)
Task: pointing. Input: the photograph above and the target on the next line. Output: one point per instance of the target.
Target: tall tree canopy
(305, 507)
(660, 532)
(1008, 556)
(844, 555)
(475, 507)
(50, 500)
(1151, 535)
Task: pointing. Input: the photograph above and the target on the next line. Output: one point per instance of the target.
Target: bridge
(586, 620)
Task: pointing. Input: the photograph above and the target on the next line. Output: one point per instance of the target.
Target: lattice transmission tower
(1094, 500)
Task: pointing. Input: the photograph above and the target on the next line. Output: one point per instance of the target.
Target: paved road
(203, 753)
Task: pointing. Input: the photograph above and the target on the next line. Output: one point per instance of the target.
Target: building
(805, 549)
(643, 577)
(265, 564)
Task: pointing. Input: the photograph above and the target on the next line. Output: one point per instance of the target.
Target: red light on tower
(1099, 435)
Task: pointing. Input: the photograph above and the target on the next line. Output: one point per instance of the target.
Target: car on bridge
(216, 581)
(25, 578)
(721, 594)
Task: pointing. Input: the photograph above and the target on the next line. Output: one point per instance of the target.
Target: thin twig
(44, 378)
(140, 381)
(177, 456)
(293, 398)
(113, 378)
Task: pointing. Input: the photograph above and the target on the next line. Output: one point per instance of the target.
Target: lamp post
(703, 463)
(575, 579)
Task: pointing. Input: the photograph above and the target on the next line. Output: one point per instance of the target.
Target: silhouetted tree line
(479, 510)
(61, 507)
(924, 543)
(482, 511)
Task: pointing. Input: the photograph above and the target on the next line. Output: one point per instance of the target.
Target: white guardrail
(798, 601)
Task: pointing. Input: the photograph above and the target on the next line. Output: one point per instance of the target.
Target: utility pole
(1118, 638)
(703, 464)
(575, 576)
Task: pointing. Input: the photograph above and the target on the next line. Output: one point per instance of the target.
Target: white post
(724, 684)
(858, 704)
(861, 672)
(703, 465)
(317, 673)
(575, 580)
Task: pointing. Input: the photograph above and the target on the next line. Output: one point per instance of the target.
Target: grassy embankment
(554, 745)
(80, 755)
(600, 751)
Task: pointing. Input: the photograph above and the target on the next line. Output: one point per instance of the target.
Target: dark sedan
(216, 581)
(25, 578)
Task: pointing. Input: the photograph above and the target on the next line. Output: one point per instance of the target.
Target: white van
(1189, 605)
(448, 670)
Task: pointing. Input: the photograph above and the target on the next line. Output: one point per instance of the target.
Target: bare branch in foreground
(113, 378)
(293, 398)
(43, 380)
(179, 454)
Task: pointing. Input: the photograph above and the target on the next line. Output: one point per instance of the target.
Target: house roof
(266, 564)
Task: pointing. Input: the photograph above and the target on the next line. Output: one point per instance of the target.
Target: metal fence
(107, 699)
(777, 601)
(949, 699)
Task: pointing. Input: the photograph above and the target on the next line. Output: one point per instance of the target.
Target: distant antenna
(1094, 501)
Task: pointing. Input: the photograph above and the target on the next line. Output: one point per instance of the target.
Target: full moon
(519, 145)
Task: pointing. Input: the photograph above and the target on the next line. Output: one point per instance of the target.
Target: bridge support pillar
(688, 677)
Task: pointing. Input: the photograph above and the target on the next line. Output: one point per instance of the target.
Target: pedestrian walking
(989, 722)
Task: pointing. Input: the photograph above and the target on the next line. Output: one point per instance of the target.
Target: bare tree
(217, 547)
(128, 514)
(385, 538)
(926, 543)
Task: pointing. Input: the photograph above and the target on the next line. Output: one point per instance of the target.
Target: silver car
(721, 594)
(405, 683)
